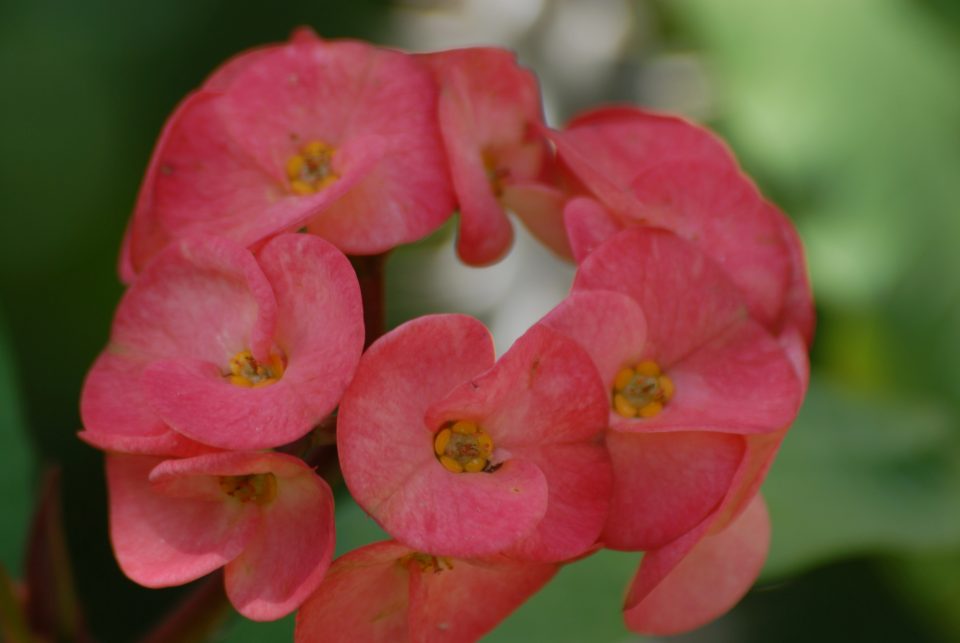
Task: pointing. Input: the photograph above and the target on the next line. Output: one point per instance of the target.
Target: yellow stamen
(450, 464)
(261, 488)
(623, 378)
(623, 407)
(311, 170)
(441, 441)
(463, 427)
(463, 446)
(641, 391)
(648, 368)
(247, 372)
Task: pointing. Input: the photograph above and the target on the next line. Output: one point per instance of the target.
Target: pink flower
(455, 455)
(639, 168)
(700, 396)
(387, 592)
(490, 118)
(266, 517)
(337, 136)
(227, 349)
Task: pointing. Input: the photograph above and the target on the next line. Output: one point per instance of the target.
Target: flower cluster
(641, 414)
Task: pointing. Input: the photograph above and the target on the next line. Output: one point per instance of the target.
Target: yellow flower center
(247, 372)
(463, 447)
(310, 171)
(261, 488)
(641, 391)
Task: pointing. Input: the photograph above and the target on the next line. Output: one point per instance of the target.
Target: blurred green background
(846, 113)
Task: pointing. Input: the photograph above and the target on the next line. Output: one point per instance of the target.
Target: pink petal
(195, 399)
(666, 484)
(686, 299)
(540, 208)
(729, 373)
(114, 409)
(579, 483)
(169, 444)
(386, 446)
(588, 224)
(162, 540)
(711, 578)
(287, 559)
(319, 332)
(466, 602)
(625, 140)
(485, 233)
(344, 91)
(205, 298)
(610, 326)
(364, 597)
(485, 106)
(464, 514)
(720, 210)
(544, 390)
(319, 316)
(740, 381)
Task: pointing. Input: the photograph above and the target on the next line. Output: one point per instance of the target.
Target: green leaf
(16, 464)
(863, 475)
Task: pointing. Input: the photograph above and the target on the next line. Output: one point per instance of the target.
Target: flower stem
(369, 269)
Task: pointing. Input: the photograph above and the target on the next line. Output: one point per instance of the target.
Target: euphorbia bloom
(266, 517)
(338, 136)
(491, 121)
(699, 394)
(638, 168)
(455, 455)
(226, 348)
(389, 593)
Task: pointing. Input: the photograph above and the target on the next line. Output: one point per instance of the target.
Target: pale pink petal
(666, 484)
(588, 224)
(540, 208)
(169, 444)
(485, 233)
(544, 390)
(464, 514)
(205, 298)
(113, 406)
(580, 483)
(161, 539)
(711, 578)
(466, 602)
(610, 326)
(625, 140)
(740, 381)
(686, 299)
(195, 399)
(382, 434)
(199, 181)
(287, 558)
(319, 317)
(720, 210)
(364, 597)
(338, 92)
(486, 106)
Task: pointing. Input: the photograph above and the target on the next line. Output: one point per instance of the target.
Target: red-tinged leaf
(52, 608)
(13, 622)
